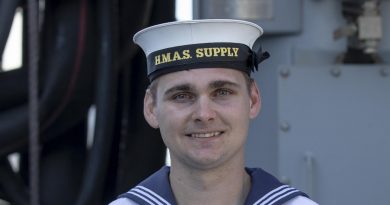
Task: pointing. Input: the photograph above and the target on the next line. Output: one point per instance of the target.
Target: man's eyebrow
(180, 87)
(212, 85)
(223, 83)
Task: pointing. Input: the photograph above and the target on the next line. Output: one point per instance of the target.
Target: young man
(202, 99)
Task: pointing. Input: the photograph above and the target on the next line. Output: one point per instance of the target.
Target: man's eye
(223, 92)
(182, 97)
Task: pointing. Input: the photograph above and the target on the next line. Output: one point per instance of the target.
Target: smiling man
(202, 99)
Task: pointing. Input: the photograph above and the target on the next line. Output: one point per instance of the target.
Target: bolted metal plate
(337, 144)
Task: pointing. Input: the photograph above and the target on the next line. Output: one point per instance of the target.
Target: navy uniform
(213, 43)
(265, 190)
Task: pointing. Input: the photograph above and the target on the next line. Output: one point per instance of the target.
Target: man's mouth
(205, 135)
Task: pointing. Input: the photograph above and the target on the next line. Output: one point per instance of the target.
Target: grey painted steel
(314, 46)
(275, 16)
(338, 145)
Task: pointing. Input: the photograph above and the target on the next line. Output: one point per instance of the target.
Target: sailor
(201, 97)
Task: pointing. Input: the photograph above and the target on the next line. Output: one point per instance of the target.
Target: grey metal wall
(324, 128)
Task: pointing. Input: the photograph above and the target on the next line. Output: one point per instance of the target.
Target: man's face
(203, 115)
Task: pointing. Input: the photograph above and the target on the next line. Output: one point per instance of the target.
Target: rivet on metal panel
(384, 71)
(285, 72)
(335, 71)
(285, 126)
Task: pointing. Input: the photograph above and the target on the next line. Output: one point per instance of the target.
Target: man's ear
(150, 109)
(255, 101)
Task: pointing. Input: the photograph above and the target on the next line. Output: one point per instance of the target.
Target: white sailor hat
(207, 43)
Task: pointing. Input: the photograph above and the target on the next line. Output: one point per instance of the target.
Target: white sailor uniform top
(265, 190)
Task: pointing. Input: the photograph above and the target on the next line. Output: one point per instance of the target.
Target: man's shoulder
(266, 188)
(300, 200)
(156, 187)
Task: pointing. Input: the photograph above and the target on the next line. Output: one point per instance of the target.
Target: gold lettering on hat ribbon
(217, 52)
(208, 52)
(169, 57)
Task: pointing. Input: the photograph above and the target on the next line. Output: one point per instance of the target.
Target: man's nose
(204, 110)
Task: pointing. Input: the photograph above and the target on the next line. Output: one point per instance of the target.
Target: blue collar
(265, 189)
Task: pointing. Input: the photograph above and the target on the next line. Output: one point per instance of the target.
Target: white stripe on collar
(269, 198)
(149, 194)
(140, 196)
(284, 195)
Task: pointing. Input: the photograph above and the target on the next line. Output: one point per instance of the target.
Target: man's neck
(227, 186)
